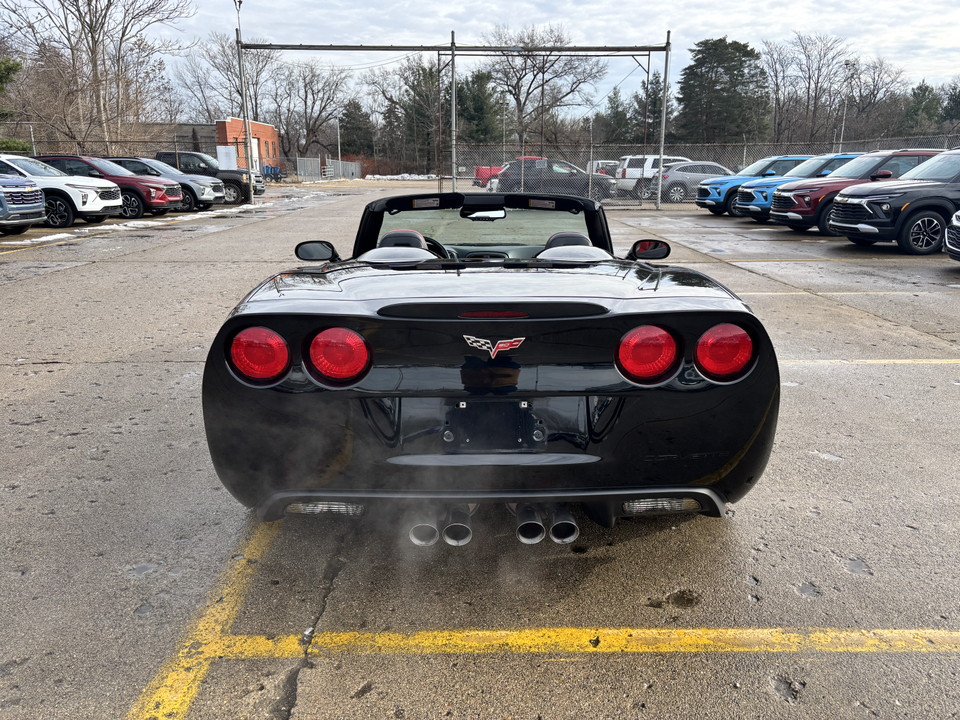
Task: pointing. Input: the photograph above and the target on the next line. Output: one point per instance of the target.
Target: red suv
(806, 203)
(154, 194)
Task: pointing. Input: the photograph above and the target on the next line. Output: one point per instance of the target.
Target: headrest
(562, 239)
(574, 253)
(395, 254)
(403, 238)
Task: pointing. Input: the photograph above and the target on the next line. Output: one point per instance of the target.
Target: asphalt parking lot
(134, 587)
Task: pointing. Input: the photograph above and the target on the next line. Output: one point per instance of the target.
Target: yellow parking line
(173, 691)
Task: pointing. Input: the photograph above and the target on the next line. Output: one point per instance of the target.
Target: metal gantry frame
(453, 51)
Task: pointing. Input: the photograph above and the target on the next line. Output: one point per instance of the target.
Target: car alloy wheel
(189, 203)
(132, 206)
(823, 218)
(59, 213)
(922, 234)
(731, 205)
(232, 194)
(676, 193)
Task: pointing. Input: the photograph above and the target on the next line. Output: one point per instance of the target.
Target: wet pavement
(134, 586)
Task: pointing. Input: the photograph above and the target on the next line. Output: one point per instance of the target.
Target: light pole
(503, 117)
(339, 158)
(248, 145)
(848, 66)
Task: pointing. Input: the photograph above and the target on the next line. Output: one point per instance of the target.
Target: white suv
(66, 197)
(634, 172)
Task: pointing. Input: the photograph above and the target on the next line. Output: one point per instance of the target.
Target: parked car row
(57, 190)
(909, 196)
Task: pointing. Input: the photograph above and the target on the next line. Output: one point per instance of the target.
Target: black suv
(236, 183)
(913, 211)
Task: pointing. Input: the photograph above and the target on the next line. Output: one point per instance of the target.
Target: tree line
(87, 69)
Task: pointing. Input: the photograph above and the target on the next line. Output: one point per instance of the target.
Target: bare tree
(537, 77)
(210, 77)
(305, 98)
(89, 48)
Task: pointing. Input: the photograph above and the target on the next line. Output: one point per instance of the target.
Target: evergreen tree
(356, 130)
(478, 113)
(723, 94)
(612, 125)
(925, 109)
(646, 111)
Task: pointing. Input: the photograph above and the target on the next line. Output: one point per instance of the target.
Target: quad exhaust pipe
(534, 523)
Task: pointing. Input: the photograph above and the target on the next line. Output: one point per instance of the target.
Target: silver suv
(634, 172)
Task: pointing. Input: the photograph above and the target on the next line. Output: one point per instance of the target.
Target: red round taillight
(724, 351)
(647, 353)
(259, 354)
(339, 355)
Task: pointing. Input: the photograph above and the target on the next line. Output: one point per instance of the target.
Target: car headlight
(881, 198)
(154, 191)
(956, 218)
(85, 191)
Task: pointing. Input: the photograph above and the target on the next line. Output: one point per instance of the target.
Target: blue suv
(21, 205)
(719, 195)
(755, 197)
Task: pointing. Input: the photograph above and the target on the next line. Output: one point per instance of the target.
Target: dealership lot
(134, 586)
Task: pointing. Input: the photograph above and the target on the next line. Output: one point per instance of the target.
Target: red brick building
(265, 141)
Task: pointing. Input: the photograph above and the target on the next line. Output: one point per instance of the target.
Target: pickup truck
(483, 174)
(236, 183)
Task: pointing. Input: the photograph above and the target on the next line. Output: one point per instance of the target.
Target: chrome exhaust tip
(425, 529)
(530, 527)
(563, 528)
(457, 530)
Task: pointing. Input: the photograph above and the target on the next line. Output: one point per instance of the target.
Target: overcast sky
(919, 37)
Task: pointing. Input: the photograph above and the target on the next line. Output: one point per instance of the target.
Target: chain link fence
(627, 175)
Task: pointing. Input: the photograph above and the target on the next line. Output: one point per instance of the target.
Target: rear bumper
(273, 507)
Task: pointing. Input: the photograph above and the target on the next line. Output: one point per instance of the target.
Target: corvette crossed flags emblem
(483, 344)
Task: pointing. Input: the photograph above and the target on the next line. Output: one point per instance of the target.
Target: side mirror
(769, 173)
(94, 173)
(648, 250)
(317, 251)
(155, 173)
(825, 173)
(882, 175)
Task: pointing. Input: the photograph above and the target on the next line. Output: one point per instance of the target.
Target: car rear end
(627, 407)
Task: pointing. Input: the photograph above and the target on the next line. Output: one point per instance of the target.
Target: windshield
(858, 168)
(211, 161)
(942, 168)
(757, 168)
(34, 167)
(519, 227)
(108, 168)
(808, 168)
(162, 167)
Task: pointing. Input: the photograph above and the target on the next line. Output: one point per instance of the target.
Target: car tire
(716, 210)
(922, 233)
(232, 193)
(676, 193)
(861, 241)
(94, 219)
(59, 212)
(730, 205)
(16, 230)
(189, 202)
(799, 228)
(132, 206)
(822, 220)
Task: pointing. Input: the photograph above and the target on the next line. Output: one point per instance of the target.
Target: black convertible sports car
(481, 348)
